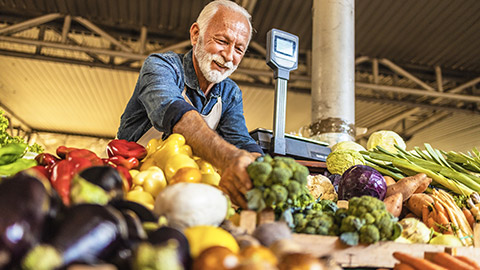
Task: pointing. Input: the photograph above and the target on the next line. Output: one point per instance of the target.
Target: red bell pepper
(61, 176)
(86, 154)
(126, 177)
(62, 151)
(63, 172)
(129, 163)
(45, 159)
(126, 149)
(41, 170)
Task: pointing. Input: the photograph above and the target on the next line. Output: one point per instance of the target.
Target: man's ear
(194, 33)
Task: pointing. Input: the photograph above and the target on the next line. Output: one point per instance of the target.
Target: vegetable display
(160, 207)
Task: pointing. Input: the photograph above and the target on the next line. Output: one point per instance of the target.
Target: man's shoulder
(170, 57)
(230, 84)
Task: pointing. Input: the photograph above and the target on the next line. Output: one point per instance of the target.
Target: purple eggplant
(142, 212)
(166, 248)
(26, 205)
(87, 234)
(96, 185)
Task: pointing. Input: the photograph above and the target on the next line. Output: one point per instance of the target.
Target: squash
(191, 204)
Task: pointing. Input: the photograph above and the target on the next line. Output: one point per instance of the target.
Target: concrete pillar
(333, 71)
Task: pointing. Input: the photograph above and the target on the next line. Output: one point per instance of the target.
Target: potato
(416, 202)
(393, 203)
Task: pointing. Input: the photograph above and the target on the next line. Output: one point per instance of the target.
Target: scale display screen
(285, 46)
(282, 52)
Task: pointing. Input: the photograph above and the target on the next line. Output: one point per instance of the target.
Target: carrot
(469, 261)
(468, 214)
(457, 218)
(389, 180)
(442, 219)
(416, 263)
(406, 185)
(425, 213)
(402, 266)
(393, 203)
(446, 260)
(414, 204)
(439, 207)
(423, 185)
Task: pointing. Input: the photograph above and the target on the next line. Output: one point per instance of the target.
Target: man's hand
(229, 159)
(235, 180)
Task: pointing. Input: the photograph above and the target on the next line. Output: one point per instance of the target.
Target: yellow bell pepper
(205, 167)
(174, 163)
(173, 145)
(142, 197)
(153, 146)
(152, 180)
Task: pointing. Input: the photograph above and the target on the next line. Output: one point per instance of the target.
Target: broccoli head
(326, 225)
(309, 230)
(259, 172)
(280, 174)
(270, 197)
(328, 206)
(281, 193)
(300, 174)
(294, 189)
(369, 234)
(351, 224)
(300, 221)
(358, 206)
(255, 199)
(385, 224)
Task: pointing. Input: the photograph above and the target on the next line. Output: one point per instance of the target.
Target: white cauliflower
(321, 187)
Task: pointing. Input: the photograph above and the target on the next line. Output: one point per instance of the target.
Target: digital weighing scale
(282, 57)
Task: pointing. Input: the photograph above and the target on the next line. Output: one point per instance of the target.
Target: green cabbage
(386, 139)
(339, 161)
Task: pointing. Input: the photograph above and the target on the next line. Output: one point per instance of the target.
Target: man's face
(222, 46)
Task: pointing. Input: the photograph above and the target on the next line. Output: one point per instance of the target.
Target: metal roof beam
(14, 28)
(102, 33)
(405, 73)
(85, 49)
(417, 92)
(66, 28)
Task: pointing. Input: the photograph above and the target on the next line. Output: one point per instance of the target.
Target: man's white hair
(209, 10)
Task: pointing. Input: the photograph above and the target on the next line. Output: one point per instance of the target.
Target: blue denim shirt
(157, 100)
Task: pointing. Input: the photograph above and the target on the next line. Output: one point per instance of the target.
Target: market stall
(160, 207)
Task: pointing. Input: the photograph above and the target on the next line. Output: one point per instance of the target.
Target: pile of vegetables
(366, 221)
(13, 150)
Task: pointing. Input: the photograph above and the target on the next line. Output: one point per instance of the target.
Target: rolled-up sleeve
(232, 125)
(161, 91)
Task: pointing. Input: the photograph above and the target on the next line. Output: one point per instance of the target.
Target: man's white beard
(205, 63)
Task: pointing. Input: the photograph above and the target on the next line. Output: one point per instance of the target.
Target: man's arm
(229, 159)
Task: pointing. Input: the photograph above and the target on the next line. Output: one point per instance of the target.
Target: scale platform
(296, 147)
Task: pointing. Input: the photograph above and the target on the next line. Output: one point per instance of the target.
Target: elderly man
(190, 94)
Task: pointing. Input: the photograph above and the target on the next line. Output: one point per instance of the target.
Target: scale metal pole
(279, 146)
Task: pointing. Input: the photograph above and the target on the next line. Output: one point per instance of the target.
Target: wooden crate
(374, 255)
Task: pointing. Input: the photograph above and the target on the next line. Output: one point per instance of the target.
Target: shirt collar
(190, 76)
(191, 79)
